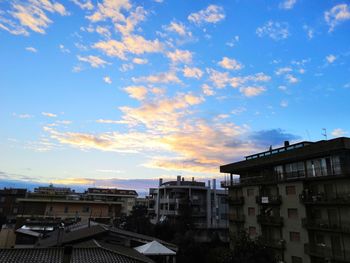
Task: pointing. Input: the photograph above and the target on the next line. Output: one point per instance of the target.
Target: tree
(138, 221)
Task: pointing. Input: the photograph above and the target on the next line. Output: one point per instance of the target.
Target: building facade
(207, 206)
(8, 206)
(296, 199)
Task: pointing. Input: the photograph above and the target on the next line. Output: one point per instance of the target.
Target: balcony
(322, 251)
(326, 225)
(237, 200)
(322, 199)
(237, 218)
(273, 243)
(270, 220)
(268, 199)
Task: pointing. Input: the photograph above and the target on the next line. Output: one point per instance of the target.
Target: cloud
(110, 9)
(84, 4)
(164, 77)
(133, 44)
(23, 115)
(331, 58)
(140, 61)
(31, 49)
(180, 56)
(251, 91)
(135, 17)
(274, 30)
(336, 15)
(222, 79)
(284, 103)
(107, 79)
(192, 72)
(207, 90)
(212, 14)
(291, 79)
(287, 4)
(94, 61)
(233, 41)
(136, 92)
(31, 15)
(309, 31)
(178, 28)
(231, 64)
(339, 132)
(103, 31)
(49, 114)
(274, 137)
(63, 49)
(284, 70)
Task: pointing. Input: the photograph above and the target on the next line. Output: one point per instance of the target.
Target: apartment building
(208, 206)
(296, 198)
(8, 206)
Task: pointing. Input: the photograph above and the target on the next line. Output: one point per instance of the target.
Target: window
(250, 192)
(252, 231)
(297, 259)
(294, 236)
(251, 211)
(290, 190)
(2, 199)
(66, 209)
(292, 213)
(86, 209)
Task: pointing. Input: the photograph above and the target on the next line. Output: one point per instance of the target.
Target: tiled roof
(99, 255)
(32, 255)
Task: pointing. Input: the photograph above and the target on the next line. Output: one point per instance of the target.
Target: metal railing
(237, 218)
(323, 251)
(321, 197)
(237, 200)
(270, 220)
(326, 225)
(273, 243)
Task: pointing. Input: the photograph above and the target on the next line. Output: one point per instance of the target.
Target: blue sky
(117, 93)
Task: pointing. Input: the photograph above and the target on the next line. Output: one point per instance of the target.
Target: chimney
(214, 184)
(192, 179)
(286, 143)
(209, 184)
(160, 181)
(183, 179)
(178, 181)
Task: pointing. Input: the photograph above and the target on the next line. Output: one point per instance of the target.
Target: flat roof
(297, 152)
(67, 201)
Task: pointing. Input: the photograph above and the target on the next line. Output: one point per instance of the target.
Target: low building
(126, 197)
(296, 198)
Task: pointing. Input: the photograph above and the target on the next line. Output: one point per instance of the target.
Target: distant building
(296, 198)
(208, 206)
(8, 206)
(126, 197)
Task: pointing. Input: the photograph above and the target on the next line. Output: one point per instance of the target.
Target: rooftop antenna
(324, 133)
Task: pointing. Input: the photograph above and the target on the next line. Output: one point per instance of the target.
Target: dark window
(292, 213)
(66, 209)
(290, 190)
(294, 236)
(251, 211)
(297, 259)
(86, 209)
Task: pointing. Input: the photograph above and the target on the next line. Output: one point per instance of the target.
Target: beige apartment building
(295, 198)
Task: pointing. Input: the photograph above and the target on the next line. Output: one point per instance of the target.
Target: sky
(117, 93)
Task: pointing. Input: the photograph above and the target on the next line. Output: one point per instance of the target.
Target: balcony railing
(322, 198)
(270, 220)
(238, 200)
(273, 243)
(323, 251)
(274, 177)
(237, 218)
(326, 225)
(268, 199)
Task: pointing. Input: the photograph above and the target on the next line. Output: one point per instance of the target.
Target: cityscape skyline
(120, 93)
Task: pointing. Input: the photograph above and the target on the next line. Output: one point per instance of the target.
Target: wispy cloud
(163, 77)
(229, 63)
(339, 132)
(31, 49)
(192, 72)
(274, 30)
(212, 14)
(49, 114)
(94, 61)
(287, 4)
(336, 15)
(107, 79)
(251, 91)
(136, 92)
(331, 58)
(180, 56)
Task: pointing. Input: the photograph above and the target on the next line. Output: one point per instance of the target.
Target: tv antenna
(324, 133)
